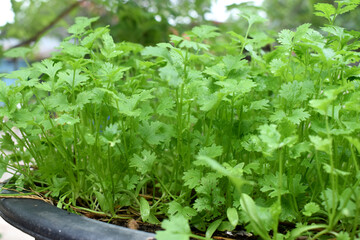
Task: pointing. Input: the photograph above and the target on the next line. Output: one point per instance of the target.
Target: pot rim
(47, 222)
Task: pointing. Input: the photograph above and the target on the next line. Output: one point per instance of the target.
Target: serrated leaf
(270, 183)
(297, 187)
(321, 144)
(286, 37)
(252, 18)
(205, 31)
(143, 163)
(170, 75)
(81, 23)
(187, 212)
(212, 152)
(58, 102)
(157, 52)
(270, 136)
(75, 51)
(277, 66)
(325, 10)
(233, 62)
(156, 132)
(335, 171)
(67, 119)
(259, 105)
(192, 178)
(176, 228)
(48, 67)
(311, 208)
(109, 50)
(83, 98)
(72, 78)
(298, 115)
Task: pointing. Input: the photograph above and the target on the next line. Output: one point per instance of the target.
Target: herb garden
(204, 134)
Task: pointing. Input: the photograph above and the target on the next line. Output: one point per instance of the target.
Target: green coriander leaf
(270, 183)
(295, 92)
(45, 86)
(66, 119)
(131, 182)
(270, 136)
(233, 62)
(83, 98)
(72, 78)
(176, 228)
(156, 132)
(205, 32)
(203, 204)
(286, 37)
(259, 105)
(48, 67)
(343, 236)
(252, 18)
(278, 116)
(310, 209)
(321, 144)
(329, 199)
(22, 74)
(212, 152)
(335, 171)
(346, 6)
(232, 86)
(89, 40)
(277, 66)
(89, 138)
(175, 208)
(75, 51)
(58, 102)
(192, 178)
(170, 75)
(297, 187)
(81, 23)
(6, 143)
(144, 163)
(109, 50)
(157, 52)
(298, 149)
(325, 10)
(193, 45)
(298, 115)
(166, 107)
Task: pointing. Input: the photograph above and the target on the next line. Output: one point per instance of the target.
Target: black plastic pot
(47, 222)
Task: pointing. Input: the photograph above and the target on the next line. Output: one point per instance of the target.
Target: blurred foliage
(142, 21)
(151, 21)
(291, 13)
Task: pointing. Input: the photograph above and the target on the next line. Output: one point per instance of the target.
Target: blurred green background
(151, 21)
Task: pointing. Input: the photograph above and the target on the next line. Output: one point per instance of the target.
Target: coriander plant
(191, 133)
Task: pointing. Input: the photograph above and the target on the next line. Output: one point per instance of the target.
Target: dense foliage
(208, 130)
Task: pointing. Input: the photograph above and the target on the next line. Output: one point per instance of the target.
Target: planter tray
(47, 222)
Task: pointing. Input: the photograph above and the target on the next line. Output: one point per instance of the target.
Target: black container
(44, 221)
